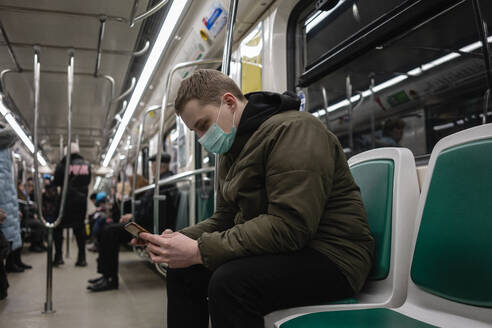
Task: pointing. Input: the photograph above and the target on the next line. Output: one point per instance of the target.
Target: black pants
(110, 238)
(242, 291)
(4, 251)
(79, 232)
(38, 231)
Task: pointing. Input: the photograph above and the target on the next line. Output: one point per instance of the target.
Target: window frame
(392, 24)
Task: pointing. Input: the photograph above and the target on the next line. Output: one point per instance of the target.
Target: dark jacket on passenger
(78, 187)
(144, 212)
(285, 185)
(50, 202)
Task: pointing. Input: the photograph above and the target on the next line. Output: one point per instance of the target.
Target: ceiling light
(167, 29)
(319, 16)
(20, 132)
(97, 183)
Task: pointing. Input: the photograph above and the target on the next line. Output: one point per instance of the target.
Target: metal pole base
(48, 304)
(48, 308)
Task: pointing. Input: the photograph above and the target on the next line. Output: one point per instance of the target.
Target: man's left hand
(175, 249)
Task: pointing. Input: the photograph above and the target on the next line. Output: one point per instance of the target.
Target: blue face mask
(215, 140)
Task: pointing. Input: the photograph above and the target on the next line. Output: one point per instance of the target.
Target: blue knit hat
(101, 196)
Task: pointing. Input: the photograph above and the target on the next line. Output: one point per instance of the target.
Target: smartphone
(134, 229)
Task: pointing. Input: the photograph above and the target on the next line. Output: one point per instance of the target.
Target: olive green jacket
(285, 187)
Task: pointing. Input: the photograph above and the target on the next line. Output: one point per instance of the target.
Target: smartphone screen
(134, 228)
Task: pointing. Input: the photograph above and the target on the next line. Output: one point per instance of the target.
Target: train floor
(139, 301)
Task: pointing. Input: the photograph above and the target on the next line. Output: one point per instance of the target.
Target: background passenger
(4, 251)
(75, 205)
(91, 210)
(30, 189)
(100, 219)
(290, 228)
(8, 202)
(114, 234)
(392, 133)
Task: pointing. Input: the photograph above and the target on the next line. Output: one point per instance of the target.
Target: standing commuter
(8, 202)
(289, 228)
(75, 205)
(4, 251)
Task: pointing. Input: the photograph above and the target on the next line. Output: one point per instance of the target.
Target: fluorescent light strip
(439, 61)
(97, 183)
(25, 139)
(16, 127)
(413, 72)
(162, 40)
(319, 17)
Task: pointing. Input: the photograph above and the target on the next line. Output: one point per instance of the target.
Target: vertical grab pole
(351, 123)
(482, 32)
(67, 255)
(325, 103)
(139, 143)
(122, 179)
(373, 121)
(48, 305)
(226, 66)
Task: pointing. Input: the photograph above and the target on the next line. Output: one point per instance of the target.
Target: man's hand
(125, 218)
(173, 248)
(3, 216)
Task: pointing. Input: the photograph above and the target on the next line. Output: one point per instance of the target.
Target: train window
(171, 146)
(412, 89)
(251, 52)
(324, 29)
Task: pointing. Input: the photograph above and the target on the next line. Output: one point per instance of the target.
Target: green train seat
(450, 281)
(390, 191)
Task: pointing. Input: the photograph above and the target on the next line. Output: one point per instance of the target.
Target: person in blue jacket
(8, 202)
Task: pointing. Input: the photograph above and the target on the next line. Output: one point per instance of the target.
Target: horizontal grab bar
(175, 178)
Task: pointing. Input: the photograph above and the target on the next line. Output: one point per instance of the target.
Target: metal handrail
(108, 78)
(226, 66)
(150, 109)
(325, 103)
(373, 119)
(2, 78)
(9, 48)
(48, 305)
(175, 178)
(348, 89)
(143, 50)
(161, 127)
(146, 14)
(102, 21)
(38, 11)
(127, 92)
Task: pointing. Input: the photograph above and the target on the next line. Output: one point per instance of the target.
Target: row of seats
(433, 251)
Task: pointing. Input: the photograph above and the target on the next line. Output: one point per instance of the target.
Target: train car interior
(92, 138)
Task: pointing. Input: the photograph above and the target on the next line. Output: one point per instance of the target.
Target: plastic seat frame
(419, 304)
(391, 291)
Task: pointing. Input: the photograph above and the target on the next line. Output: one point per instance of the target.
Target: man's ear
(229, 100)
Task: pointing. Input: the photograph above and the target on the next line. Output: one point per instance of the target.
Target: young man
(289, 229)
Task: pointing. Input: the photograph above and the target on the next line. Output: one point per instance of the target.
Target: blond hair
(207, 86)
